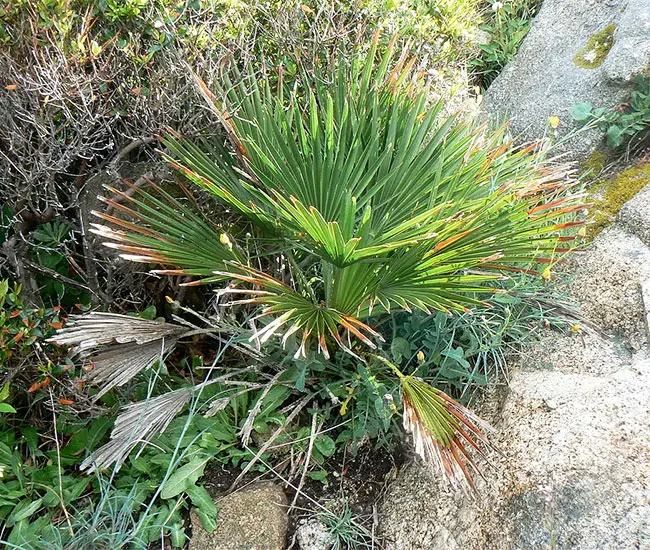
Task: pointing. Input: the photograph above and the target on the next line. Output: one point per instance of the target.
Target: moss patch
(609, 196)
(594, 165)
(597, 48)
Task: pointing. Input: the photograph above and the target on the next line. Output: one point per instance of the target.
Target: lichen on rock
(610, 195)
(313, 534)
(606, 283)
(597, 49)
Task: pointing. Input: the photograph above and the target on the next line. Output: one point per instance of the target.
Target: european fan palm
(371, 200)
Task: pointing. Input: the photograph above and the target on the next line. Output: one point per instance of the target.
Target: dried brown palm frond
(118, 346)
(116, 365)
(138, 423)
(96, 328)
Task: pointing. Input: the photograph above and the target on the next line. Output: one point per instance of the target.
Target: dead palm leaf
(119, 363)
(93, 329)
(138, 423)
(117, 347)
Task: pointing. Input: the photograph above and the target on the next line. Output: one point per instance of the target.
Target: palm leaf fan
(446, 435)
(136, 425)
(117, 347)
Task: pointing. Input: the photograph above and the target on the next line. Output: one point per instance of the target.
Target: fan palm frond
(118, 347)
(442, 429)
(166, 232)
(445, 434)
(137, 424)
(299, 313)
(392, 207)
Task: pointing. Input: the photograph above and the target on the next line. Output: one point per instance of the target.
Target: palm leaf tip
(441, 429)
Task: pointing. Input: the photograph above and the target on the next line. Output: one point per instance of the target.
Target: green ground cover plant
(505, 27)
(623, 123)
(45, 501)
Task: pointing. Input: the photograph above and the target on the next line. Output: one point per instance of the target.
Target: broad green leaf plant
(353, 198)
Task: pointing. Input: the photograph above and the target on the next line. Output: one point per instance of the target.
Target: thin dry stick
(129, 148)
(58, 455)
(312, 437)
(56, 275)
(246, 430)
(213, 332)
(294, 441)
(299, 406)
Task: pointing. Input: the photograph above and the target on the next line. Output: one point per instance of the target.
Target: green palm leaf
(384, 203)
(162, 230)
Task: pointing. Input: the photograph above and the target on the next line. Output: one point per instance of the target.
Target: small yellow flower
(582, 232)
(554, 121)
(225, 240)
(420, 356)
(546, 274)
(344, 407)
(575, 328)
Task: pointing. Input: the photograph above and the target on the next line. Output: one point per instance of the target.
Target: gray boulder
(581, 353)
(635, 215)
(254, 518)
(576, 51)
(607, 283)
(420, 512)
(578, 449)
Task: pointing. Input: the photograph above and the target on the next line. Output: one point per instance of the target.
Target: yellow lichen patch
(596, 50)
(609, 196)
